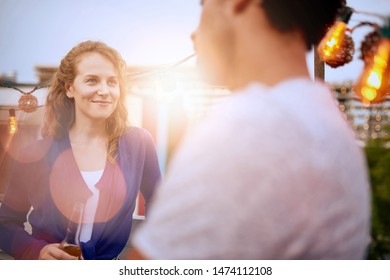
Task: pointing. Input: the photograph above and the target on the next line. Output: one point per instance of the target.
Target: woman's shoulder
(135, 132)
(136, 139)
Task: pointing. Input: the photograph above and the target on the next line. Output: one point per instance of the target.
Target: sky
(145, 32)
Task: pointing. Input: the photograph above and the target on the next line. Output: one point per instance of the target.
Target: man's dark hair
(311, 17)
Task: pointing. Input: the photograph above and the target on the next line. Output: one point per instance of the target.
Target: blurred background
(35, 35)
(165, 93)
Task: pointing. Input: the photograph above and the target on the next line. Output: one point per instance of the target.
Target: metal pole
(319, 66)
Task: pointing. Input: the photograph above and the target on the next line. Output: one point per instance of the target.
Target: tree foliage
(378, 159)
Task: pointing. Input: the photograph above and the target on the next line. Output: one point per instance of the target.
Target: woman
(88, 155)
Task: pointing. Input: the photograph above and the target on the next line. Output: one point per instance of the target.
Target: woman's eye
(113, 82)
(91, 81)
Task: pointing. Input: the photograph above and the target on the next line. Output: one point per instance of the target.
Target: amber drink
(71, 242)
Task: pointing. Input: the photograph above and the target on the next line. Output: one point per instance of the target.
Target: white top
(91, 178)
(273, 173)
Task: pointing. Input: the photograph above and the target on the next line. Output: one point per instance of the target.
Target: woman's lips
(101, 102)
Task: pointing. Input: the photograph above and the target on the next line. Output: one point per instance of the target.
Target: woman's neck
(87, 134)
(89, 147)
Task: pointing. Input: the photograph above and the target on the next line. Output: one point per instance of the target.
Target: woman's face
(95, 88)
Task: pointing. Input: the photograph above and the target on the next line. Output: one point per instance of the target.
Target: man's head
(230, 31)
(312, 18)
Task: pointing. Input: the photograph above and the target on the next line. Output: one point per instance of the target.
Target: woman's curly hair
(60, 110)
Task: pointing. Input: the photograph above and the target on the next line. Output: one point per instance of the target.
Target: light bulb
(28, 103)
(332, 41)
(373, 83)
(12, 122)
(331, 47)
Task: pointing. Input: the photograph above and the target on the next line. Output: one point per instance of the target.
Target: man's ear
(240, 5)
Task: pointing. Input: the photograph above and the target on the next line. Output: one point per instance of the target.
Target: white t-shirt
(91, 178)
(272, 173)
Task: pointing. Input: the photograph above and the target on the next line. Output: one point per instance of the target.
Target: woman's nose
(104, 90)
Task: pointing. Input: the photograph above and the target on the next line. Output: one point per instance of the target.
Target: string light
(369, 45)
(12, 123)
(160, 70)
(337, 47)
(373, 83)
(27, 102)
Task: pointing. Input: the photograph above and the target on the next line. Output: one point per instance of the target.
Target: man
(274, 172)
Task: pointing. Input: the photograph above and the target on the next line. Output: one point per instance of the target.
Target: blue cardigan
(46, 177)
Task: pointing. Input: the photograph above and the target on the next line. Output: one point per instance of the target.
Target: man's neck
(267, 56)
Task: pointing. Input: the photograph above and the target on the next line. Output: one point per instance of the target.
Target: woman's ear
(69, 90)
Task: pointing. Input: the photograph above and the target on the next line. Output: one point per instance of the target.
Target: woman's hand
(53, 252)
